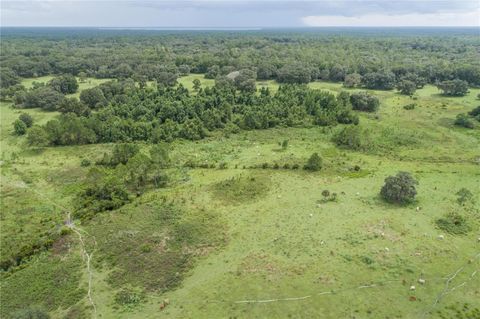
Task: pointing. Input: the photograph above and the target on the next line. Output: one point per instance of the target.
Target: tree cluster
(125, 113)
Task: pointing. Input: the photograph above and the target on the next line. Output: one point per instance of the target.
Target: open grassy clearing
(251, 234)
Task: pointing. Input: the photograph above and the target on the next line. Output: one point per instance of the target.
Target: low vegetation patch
(242, 188)
(353, 138)
(154, 252)
(51, 282)
(454, 223)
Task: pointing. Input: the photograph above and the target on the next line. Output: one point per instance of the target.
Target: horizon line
(238, 27)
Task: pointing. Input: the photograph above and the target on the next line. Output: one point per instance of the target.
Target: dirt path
(87, 257)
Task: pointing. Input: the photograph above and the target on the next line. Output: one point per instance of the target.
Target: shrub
(352, 80)
(85, 162)
(383, 80)
(475, 112)
(464, 121)
(128, 297)
(66, 84)
(410, 106)
(364, 101)
(37, 136)
(284, 144)
(399, 189)
(464, 196)
(453, 223)
(453, 87)
(352, 137)
(223, 165)
(103, 193)
(43, 97)
(160, 179)
(26, 118)
(407, 87)
(159, 154)
(314, 163)
(93, 97)
(122, 153)
(295, 166)
(19, 127)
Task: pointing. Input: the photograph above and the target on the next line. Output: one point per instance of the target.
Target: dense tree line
(123, 112)
(379, 61)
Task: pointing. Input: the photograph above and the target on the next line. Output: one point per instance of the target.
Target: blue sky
(232, 13)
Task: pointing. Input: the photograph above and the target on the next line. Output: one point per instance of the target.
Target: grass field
(261, 242)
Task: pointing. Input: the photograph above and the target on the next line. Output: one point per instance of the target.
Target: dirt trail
(87, 257)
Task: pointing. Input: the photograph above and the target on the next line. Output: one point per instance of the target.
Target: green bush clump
(410, 106)
(26, 118)
(464, 196)
(399, 189)
(453, 223)
(364, 101)
(314, 163)
(19, 127)
(102, 193)
(464, 121)
(352, 137)
(328, 197)
(85, 162)
(129, 297)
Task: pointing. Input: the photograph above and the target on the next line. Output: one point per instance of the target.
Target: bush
(26, 118)
(383, 80)
(93, 98)
(128, 297)
(314, 163)
(464, 196)
(223, 165)
(407, 87)
(66, 84)
(352, 137)
(364, 101)
(410, 106)
(464, 121)
(37, 136)
(475, 112)
(453, 87)
(399, 189)
(43, 97)
(453, 223)
(352, 80)
(122, 153)
(85, 163)
(19, 127)
(103, 193)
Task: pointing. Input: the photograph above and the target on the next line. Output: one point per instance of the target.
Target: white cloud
(459, 19)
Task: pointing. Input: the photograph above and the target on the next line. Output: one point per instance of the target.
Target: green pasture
(261, 243)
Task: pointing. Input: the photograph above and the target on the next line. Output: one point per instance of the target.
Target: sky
(233, 13)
